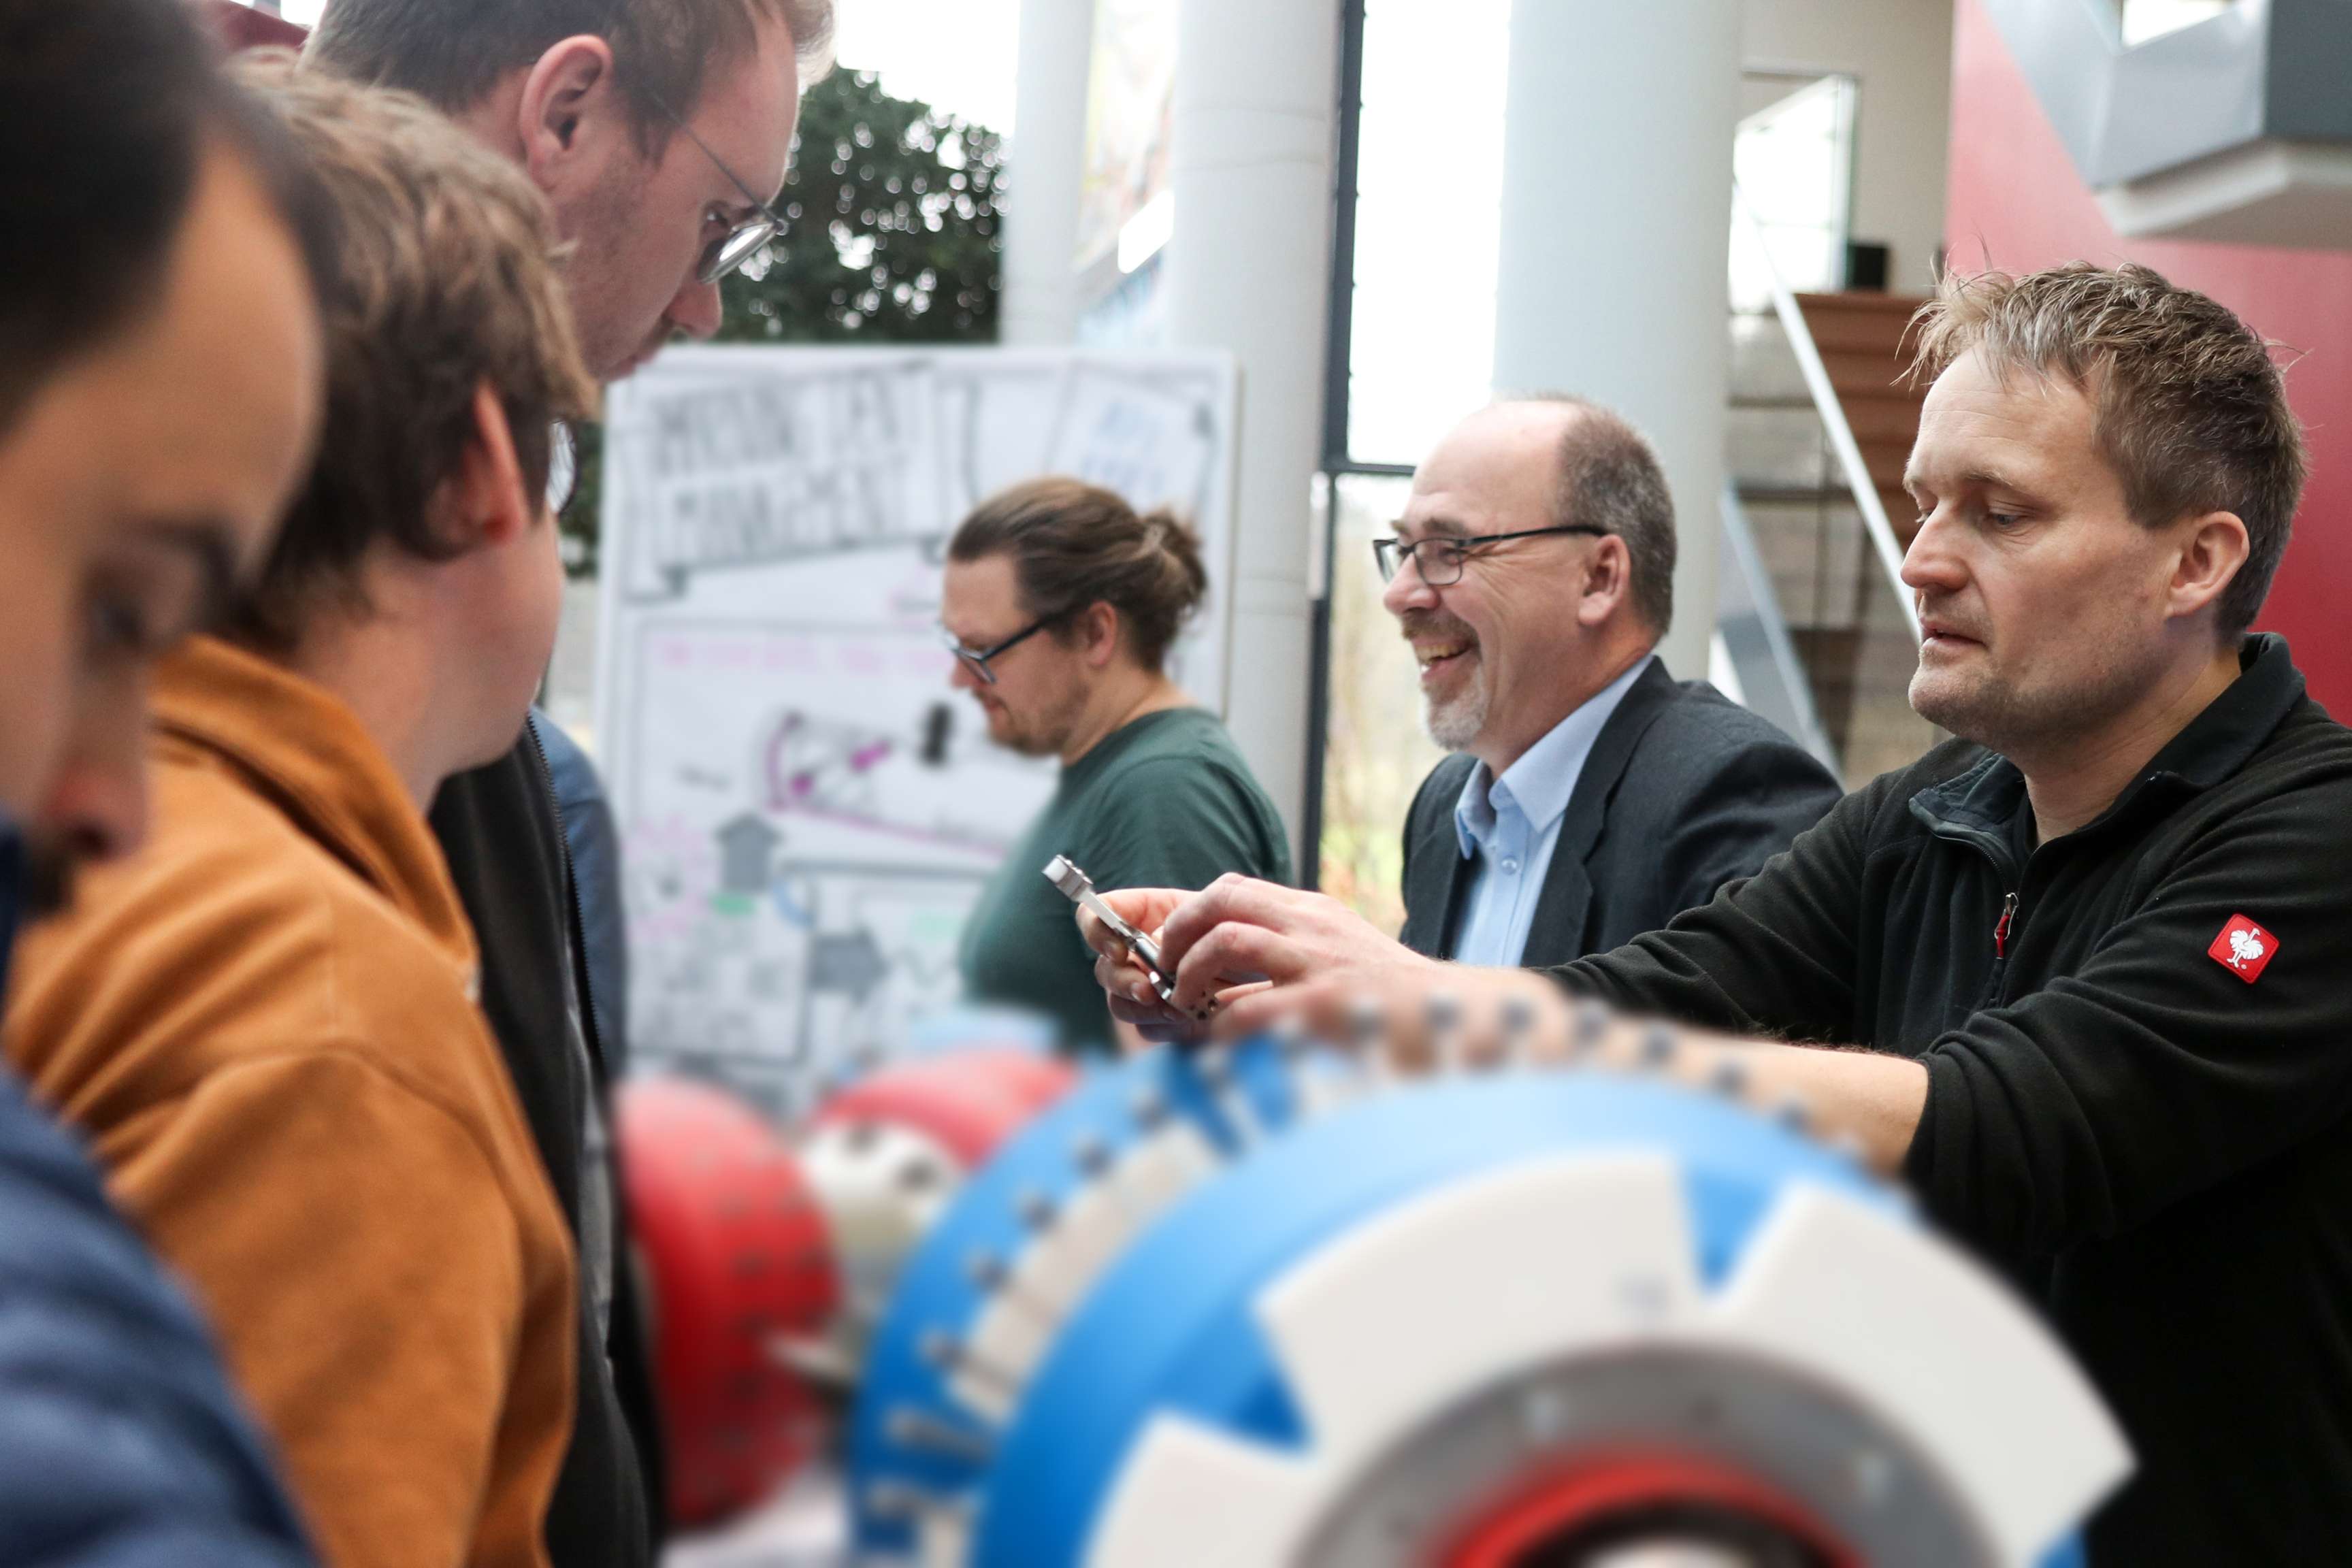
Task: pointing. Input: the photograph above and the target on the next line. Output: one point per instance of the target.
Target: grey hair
(1610, 478)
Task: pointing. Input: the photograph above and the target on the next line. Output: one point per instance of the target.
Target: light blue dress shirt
(1511, 825)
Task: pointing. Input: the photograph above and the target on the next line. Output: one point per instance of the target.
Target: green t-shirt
(1165, 802)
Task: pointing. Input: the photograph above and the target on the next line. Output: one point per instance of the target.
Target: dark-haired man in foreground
(160, 371)
(267, 1021)
(2094, 951)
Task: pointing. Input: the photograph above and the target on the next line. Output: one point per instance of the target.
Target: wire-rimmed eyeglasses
(562, 466)
(1439, 557)
(975, 659)
(744, 245)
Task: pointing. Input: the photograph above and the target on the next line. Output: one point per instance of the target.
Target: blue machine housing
(938, 1292)
(1169, 1328)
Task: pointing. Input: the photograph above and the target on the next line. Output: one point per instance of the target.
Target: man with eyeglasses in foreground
(1590, 796)
(265, 1022)
(658, 130)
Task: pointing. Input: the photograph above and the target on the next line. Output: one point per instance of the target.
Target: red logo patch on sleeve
(2243, 949)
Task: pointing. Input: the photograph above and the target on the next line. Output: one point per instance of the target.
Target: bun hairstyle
(1073, 544)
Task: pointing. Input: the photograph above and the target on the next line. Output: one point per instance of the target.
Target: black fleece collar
(1983, 803)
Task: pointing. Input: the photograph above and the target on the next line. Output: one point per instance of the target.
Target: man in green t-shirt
(1060, 604)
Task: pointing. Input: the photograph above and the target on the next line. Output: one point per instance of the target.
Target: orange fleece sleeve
(355, 1250)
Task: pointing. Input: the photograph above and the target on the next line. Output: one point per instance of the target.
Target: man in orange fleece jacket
(265, 1022)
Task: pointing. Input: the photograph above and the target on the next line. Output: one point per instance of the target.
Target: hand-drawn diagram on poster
(807, 809)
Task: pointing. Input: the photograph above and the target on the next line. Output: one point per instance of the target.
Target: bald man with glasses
(1590, 796)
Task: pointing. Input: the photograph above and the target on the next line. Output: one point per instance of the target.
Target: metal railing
(1748, 231)
(1755, 634)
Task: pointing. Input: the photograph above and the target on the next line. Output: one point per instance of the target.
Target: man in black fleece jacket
(2096, 952)
(2129, 1050)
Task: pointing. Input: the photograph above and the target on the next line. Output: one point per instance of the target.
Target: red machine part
(966, 1101)
(1544, 1521)
(737, 1258)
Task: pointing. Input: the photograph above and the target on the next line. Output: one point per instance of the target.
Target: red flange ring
(737, 1256)
(1559, 1503)
(968, 1102)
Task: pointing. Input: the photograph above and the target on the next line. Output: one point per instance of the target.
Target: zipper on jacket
(1998, 855)
(2001, 928)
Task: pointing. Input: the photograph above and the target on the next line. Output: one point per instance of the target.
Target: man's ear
(569, 114)
(1100, 625)
(2214, 550)
(489, 507)
(1608, 581)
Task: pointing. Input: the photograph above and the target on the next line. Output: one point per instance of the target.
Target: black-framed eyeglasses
(1439, 557)
(562, 466)
(975, 659)
(745, 246)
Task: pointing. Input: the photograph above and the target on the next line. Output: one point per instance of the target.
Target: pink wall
(2015, 200)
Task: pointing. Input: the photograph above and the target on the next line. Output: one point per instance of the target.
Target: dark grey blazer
(1684, 790)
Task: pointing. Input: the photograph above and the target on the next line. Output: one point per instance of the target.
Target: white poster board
(806, 809)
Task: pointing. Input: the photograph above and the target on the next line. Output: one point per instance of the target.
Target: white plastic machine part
(1943, 1350)
(1070, 1251)
(1394, 1319)
(1493, 1280)
(882, 1185)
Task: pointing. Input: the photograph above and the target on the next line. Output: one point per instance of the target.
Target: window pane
(2145, 19)
(1376, 753)
(1430, 195)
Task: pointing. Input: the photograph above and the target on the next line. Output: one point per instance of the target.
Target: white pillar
(1616, 225)
(1248, 271)
(1046, 166)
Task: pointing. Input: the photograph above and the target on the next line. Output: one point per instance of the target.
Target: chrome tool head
(1073, 882)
